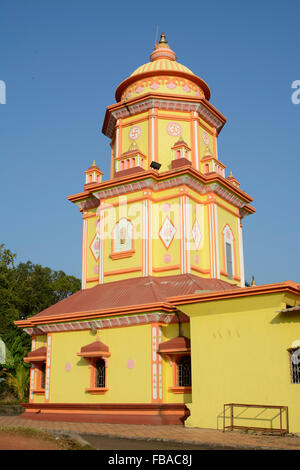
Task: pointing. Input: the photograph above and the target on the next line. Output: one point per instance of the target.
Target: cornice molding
(166, 102)
(115, 322)
(213, 183)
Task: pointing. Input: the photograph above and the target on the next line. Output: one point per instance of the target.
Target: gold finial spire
(230, 174)
(163, 39)
(162, 50)
(253, 283)
(94, 163)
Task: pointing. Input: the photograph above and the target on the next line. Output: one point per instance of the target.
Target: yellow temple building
(164, 330)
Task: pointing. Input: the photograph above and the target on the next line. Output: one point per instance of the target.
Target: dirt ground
(114, 443)
(19, 442)
(210, 438)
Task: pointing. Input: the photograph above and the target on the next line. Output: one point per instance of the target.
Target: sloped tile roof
(134, 292)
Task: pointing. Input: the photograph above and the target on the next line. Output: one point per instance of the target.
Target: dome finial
(162, 50)
(163, 39)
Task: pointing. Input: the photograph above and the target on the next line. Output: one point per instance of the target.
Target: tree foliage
(17, 381)
(27, 289)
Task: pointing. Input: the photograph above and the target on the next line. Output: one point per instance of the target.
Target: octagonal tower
(168, 207)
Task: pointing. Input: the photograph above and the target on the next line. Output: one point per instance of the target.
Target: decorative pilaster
(241, 252)
(32, 373)
(213, 239)
(184, 234)
(153, 131)
(84, 251)
(156, 364)
(147, 235)
(196, 160)
(101, 241)
(48, 368)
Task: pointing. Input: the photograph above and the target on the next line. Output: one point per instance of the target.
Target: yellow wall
(132, 211)
(166, 141)
(159, 250)
(125, 385)
(91, 232)
(239, 355)
(140, 120)
(165, 203)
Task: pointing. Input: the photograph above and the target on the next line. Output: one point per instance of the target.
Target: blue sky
(62, 61)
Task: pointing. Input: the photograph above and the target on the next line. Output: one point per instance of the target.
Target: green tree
(28, 289)
(17, 381)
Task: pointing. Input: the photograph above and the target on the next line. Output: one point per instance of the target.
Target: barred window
(43, 376)
(184, 372)
(295, 365)
(100, 374)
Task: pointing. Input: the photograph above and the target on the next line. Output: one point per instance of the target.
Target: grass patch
(10, 402)
(63, 441)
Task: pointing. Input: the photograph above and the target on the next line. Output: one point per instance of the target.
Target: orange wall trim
(131, 413)
(123, 271)
(166, 268)
(199, 270)
(93, 279)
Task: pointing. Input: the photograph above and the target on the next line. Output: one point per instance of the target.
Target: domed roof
(162, 62)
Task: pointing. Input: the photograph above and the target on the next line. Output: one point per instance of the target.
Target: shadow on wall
(286, 317)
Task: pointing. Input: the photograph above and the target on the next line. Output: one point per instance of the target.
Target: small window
(184, 372)
(42, 376)
(100, 374)
(229, 260)
(295, 365)
(122, 236)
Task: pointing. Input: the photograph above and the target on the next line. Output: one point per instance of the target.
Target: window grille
(43, 375)
(100, 374)
(184, 372)
(295, 366)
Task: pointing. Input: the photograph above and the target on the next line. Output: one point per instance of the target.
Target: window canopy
(177, 345)
(96, 349)
(38, 355)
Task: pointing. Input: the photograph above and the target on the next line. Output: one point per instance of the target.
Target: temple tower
(168, 207)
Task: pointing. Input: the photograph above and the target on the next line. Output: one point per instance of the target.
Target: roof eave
(290, 287)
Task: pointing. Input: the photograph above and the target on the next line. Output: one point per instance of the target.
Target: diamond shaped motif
(95, 246)
(196, 234)
(167, 232)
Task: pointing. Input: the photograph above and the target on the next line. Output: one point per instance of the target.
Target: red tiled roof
(134, 292)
